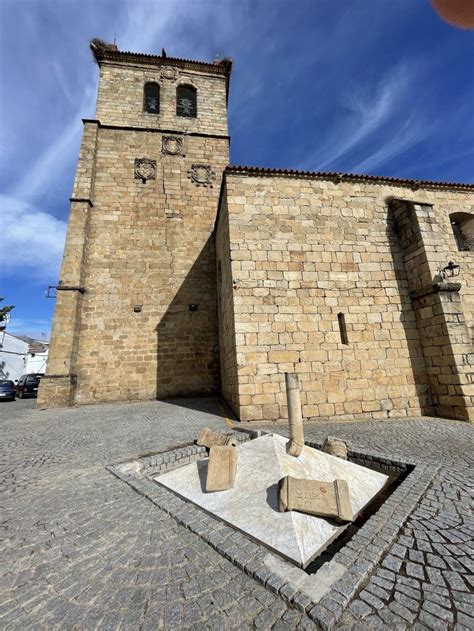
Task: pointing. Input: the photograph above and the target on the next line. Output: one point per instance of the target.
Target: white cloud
(56, 159)
(31, 241)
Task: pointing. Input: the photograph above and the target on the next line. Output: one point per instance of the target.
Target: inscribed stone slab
(315, 497)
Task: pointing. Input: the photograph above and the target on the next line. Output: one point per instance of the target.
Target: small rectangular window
(342, 328)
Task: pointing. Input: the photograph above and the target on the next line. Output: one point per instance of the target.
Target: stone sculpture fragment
(208, 438)
(295, 445)
(335, 447)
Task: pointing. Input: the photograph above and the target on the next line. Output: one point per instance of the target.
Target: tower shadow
(421, 379)
(187, 343)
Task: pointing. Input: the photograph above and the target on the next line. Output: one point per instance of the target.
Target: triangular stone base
(252, 505)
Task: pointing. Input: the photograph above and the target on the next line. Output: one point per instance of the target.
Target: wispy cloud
(368, 109)
(54, 161)
(415, 126)
(410, 133)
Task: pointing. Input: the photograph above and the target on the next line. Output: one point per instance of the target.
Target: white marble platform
(252, 505)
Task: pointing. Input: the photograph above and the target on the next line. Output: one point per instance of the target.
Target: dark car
(27, 385)
(7, 390)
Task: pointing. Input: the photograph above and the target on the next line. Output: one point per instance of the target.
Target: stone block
(208, 438)
(315, 497)
(221, 469)
(335, 447)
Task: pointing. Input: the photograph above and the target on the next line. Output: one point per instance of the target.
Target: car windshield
(5, 383)
(33, 380)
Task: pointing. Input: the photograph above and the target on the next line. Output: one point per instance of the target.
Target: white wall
(13, 356)
(37, 363)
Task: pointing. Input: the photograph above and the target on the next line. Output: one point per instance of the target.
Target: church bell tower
(136, 311)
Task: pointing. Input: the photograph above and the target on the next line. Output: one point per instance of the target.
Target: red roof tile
(338, 177)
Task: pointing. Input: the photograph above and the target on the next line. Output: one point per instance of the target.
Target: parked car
(7, 390)
(27, 385)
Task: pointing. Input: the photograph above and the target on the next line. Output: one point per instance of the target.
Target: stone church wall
(436, 302)
(150, 244)
(304, 250)
(227, 333)
(309, 274)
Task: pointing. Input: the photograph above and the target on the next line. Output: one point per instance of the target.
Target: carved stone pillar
(295, 445)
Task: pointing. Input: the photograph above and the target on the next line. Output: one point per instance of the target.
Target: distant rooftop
(35, 346)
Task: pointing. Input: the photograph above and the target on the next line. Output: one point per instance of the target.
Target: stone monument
(252, 504)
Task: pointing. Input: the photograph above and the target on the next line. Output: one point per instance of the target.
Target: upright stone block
(221, 468)
(208, 438)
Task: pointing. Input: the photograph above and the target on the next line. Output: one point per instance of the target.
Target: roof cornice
(341, 177)
(222, 67)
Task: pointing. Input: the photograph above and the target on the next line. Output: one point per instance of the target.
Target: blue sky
(368, 86)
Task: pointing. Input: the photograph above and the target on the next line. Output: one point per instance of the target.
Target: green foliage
(4, 311)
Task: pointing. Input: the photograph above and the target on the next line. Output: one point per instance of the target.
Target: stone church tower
(136, 312)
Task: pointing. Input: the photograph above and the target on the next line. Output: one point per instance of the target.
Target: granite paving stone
(441, 525)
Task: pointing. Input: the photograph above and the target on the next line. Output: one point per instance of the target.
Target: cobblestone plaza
(83, 550)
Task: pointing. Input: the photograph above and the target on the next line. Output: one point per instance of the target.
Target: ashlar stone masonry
(182, 275)
(339, 280)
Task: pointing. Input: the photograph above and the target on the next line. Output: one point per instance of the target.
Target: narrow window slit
(342, 328)
(151, 98)
(186, 101)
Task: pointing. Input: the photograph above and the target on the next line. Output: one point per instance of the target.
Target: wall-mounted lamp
(450, 270)
(193, 306)
(137, 308)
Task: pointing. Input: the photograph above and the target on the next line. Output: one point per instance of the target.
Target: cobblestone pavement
(82, 550)
(426, 579)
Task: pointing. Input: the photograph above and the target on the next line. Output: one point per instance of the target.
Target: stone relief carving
(172, 145)
(169, 72)
(202, 175)
(145, 169)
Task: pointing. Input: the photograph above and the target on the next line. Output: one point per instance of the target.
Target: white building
(20, 355)
(37, 356)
